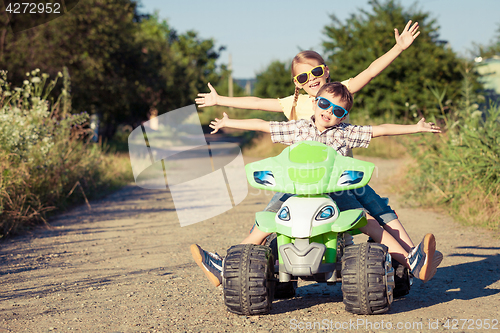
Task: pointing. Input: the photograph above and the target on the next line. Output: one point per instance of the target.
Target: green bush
(44, 153)
(460, 169)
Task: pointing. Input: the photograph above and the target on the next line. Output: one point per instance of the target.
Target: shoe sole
(438, 257)
(195, 252)
(429, 268)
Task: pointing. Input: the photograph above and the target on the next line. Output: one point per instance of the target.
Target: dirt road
(125, 266)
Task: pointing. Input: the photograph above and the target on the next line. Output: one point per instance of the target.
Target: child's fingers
(396, 33)
(210, 87)
(407, 27)
(416, 35)
(414, 27)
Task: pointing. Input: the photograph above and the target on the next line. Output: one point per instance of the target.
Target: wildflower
(59, 74)
(26, 82)
(27, 73)
(35, 80)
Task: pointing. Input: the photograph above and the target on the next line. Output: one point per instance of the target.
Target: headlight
(284, 214)
(325, 213)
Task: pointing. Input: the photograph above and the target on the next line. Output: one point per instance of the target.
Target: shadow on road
(466, 281)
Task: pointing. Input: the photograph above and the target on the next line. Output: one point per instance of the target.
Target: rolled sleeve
(282, 132)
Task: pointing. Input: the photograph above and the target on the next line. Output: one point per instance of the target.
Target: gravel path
(125, 266)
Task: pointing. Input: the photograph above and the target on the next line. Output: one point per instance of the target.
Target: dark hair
(339, 90)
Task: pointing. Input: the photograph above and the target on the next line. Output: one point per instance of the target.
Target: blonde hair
(301, 58)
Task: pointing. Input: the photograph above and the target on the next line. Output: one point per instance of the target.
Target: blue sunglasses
(325, 104)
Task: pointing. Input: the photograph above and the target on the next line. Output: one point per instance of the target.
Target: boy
(331, 107)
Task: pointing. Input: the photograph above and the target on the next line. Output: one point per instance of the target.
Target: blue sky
(257, 32)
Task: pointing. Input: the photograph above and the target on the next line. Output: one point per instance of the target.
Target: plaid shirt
(341, 137)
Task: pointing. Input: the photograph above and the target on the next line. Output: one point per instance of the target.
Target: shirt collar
(312, 123)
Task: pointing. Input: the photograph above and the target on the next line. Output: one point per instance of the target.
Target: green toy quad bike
(314, 239)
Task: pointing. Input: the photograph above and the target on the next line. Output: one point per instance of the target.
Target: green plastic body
(310, 168)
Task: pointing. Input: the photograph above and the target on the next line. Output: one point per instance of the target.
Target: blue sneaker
(210, 263)
(423, 258)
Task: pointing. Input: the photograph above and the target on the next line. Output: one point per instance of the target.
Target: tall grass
(46, 160)
(460, 169)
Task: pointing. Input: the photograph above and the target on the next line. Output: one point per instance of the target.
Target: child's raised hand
(408, 36)
(422, 126)
(218, 123)
(207, 99)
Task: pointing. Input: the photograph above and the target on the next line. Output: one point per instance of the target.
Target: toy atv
(314, 239)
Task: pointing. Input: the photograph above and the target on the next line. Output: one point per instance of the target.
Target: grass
(47, 162)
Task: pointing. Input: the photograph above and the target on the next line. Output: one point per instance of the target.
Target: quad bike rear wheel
(402, 279)
(248, 279)
(367, 279)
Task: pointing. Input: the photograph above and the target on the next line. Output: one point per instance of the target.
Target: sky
(257, 32)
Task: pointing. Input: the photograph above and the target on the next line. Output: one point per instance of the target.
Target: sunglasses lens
(338, 112)
(323, 103)
(317, 71)
(302, 78)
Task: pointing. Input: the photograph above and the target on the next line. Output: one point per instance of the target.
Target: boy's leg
(420, 260)
(212, 264)
(384, 214)
(380, 235)
(396, 229)
(256, 237)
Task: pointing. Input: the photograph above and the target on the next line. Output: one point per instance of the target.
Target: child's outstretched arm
(393, 129)
(403, 41)
(250, 102)
(243, 124)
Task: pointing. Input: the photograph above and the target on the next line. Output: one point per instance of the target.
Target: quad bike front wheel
(248, 279)
(367, 279)
(403, 279)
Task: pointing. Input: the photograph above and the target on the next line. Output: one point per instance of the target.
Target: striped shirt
(341, 137)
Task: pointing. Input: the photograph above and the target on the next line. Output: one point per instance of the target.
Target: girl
(310, 73)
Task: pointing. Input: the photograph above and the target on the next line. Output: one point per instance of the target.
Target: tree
(275, 81)
(222, 87)
(121, 64)
(493, 49)
(351, 47)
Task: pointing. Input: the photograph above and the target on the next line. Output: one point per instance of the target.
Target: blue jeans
(375, 205)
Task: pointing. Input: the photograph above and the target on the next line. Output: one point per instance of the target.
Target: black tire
(248, 279)
(402, 279)
(365, 286)
(283, 290)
